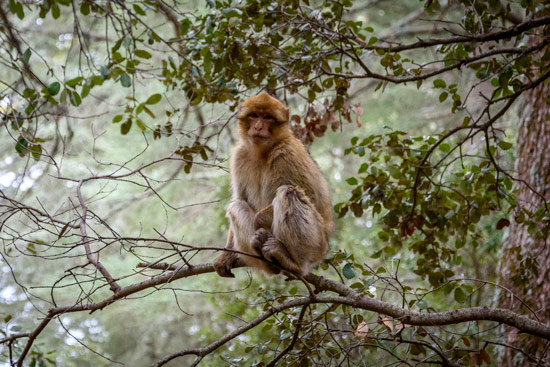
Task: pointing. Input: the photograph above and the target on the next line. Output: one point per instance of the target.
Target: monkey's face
(260, 127)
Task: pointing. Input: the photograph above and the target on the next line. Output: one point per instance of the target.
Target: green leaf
(460, 296)
(125, 80)
(443, 96)
(383, 236)
(36, 151)
(373, 40)
(141, 125)
(184, 28)
(125, 127)
(73, 82)
(55, 11)
(232, 12)
(12, 6)
(445, 147)
(21, 146)
(53, 89)
(143, 54)
(74, 97)
(27, 55)
(85, 8)
(148, 111)
(155, 98)
(138, 9)
(504, 145)
(286, 335)
(85, 90)
(104, 70)
(348, 272)
(352, 181)
(127, 42)
(117, 119)
(19, 11)
(439, 83)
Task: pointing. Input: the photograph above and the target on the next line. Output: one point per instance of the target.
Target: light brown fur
(281, 208)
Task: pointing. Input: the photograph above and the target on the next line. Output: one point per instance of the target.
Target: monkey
(281, 209)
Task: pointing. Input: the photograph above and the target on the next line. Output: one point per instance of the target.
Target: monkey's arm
(240, 231)
(227, 260)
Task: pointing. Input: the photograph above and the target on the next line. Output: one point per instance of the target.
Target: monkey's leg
(298, 238)
(241, 217)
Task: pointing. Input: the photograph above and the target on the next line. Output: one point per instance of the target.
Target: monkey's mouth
(258, 139)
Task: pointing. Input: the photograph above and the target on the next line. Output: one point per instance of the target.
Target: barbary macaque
(280, 209)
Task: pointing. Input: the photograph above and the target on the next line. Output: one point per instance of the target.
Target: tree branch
(346, 296)
(484, 37)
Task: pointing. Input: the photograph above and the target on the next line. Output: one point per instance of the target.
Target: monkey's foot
(275, 252)
(259, 238)
(224, 263)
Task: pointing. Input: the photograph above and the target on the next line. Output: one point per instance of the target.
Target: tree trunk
(533, 166)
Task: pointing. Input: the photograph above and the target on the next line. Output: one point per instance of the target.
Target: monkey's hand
(259, 239)
(224, 263)
(260, 236)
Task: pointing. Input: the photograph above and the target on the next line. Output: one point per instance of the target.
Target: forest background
(430, 120)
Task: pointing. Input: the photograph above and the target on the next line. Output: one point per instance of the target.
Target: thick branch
(346, 296)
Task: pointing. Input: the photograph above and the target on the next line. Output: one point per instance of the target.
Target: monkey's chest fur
(255, 183)
(256, 180)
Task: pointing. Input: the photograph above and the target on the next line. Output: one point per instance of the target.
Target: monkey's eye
(269, 117)
(254, 115)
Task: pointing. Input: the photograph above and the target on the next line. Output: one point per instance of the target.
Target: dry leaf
(475, 359)
(485, 356)
(400, 326)
(358, 112)
(388, 323)
(361, 330)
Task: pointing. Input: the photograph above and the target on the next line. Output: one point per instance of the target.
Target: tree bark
(533, 166)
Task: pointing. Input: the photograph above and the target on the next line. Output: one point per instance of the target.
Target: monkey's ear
(243, 111)
(285, 115)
